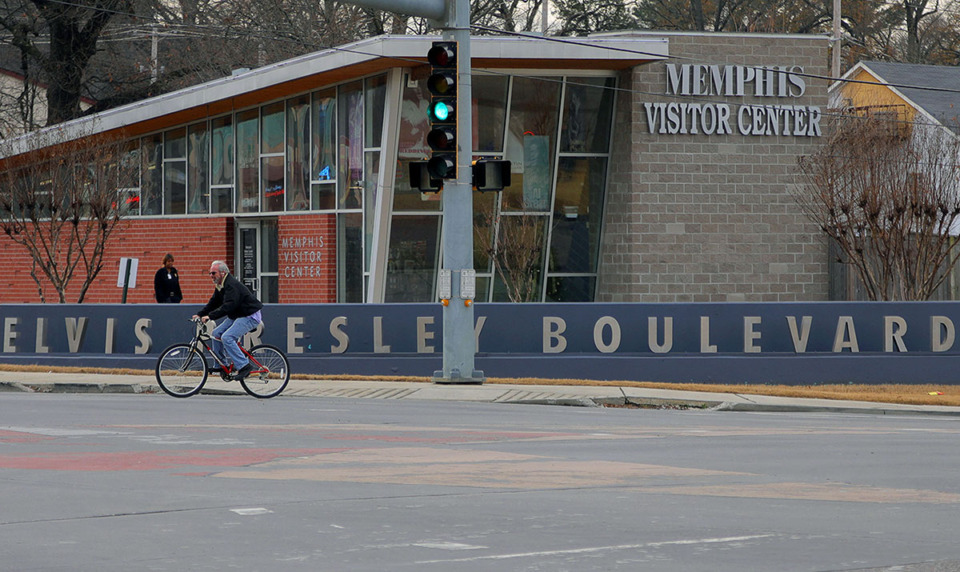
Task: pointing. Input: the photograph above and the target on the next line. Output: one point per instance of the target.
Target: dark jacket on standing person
(232, 299)
(166, 286)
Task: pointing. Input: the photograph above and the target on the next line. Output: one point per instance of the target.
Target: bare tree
(64, 208)
(583, 17)
(888, 193)
(60, 39)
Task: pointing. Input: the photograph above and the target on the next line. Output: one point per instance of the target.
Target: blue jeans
(225, 337)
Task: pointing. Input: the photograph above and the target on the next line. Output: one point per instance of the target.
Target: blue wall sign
(724, 342)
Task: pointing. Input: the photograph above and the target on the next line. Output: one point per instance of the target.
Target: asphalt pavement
(569, 395)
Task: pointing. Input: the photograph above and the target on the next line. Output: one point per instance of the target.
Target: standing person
(166, 283)
(232, 300)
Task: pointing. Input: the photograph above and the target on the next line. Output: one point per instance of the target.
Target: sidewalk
(586, 396)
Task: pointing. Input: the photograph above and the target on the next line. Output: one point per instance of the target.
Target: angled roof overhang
(333, 66)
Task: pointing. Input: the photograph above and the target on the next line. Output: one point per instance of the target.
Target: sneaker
(244, 371)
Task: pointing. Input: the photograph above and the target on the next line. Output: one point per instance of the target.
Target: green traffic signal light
(441, 110)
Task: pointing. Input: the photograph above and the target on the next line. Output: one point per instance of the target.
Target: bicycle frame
(200, 341)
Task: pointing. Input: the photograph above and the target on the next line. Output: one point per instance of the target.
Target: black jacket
(233, 300)
(167, 290)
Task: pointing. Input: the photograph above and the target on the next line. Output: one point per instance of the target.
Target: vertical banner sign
(536, 172)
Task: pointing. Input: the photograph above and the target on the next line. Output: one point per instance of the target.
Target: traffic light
(421, 180)
(491, 175)
(442, 112)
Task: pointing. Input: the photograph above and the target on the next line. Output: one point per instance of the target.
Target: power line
(186, 31)
(700, 60)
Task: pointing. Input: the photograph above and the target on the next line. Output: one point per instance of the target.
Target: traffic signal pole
(459, 345)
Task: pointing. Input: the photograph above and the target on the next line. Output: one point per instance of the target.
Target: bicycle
(182, 369)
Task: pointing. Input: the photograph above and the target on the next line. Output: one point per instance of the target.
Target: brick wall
(711, 218)
(306, 260)
(194, 243)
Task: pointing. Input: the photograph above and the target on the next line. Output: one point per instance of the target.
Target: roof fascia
(352, 61)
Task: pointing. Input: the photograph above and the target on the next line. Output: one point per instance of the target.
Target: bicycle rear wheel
(271, 377)
(181, 370)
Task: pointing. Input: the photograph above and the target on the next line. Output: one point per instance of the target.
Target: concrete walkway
(574, 395)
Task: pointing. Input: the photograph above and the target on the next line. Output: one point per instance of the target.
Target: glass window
(570, 288)
(175, 144)
(151, 169)
(128, 178)
(375, 104)
(519, 258)
(490, 106)
(483, 288)
(350, 177)
(221, 199)
(271, 169)
(272, 129)
(575, 242)
(324, 150)
(269, 262)
(531, 143)
(222, 151)
(174, 187)
(198, 189)
(484, 217)
(413, 147)
(323, 195)
(587, 110)
(413, 120)
(298, 165)
(412, 262)
(406, 198)
(248, 162)
(350, 258)
(222, 165)
(175, 171)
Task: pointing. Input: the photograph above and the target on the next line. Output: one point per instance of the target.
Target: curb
(880, 409)
(630, 402)
(58, 387)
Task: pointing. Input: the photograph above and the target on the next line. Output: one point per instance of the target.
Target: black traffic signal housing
(442, 113)
(491, 175)
(421, 179)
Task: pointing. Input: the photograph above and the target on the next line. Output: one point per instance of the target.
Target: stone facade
(711, 218)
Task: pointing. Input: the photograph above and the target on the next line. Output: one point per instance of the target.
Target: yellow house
(905, 92)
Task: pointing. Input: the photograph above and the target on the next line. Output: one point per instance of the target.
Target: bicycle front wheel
(272, 375)
(181, 370)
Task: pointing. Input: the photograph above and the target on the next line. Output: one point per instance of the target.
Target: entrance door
(256, 262)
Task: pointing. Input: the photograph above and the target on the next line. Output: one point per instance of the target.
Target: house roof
(334, 66)
(934, 90)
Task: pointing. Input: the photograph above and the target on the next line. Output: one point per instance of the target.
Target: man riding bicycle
(242, 310)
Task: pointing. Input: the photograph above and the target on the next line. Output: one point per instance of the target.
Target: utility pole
(835, 53)
(459, 345)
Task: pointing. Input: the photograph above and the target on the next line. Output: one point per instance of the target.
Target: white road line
(603, 548)
(251, 511)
